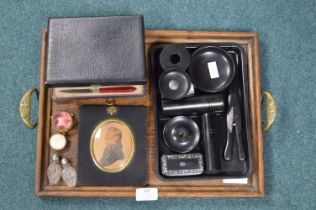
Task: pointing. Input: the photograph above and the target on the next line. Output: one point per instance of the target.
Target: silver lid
(64, 161)
(55, 157)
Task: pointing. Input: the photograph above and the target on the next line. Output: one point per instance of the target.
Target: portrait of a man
(113, 151)
(112, 145)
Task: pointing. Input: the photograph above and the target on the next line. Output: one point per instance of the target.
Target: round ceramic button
(57, 142)
(62, 121)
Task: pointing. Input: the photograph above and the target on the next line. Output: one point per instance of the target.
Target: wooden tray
(198, 188)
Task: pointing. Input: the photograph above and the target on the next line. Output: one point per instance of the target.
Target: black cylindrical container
(174, 84)
(181, 134)
(211, 158)
(212, 69)
(192, 105)
(174, 56)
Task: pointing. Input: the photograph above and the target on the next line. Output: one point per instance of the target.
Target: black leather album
(112, 146)
(95, 51)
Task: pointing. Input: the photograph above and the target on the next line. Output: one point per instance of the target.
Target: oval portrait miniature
(112, 146)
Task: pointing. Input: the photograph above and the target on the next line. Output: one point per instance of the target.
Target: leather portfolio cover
(95, 51)
(112, 146)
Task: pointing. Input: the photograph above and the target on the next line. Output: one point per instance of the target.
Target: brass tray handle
(271, 109)
(25, 107)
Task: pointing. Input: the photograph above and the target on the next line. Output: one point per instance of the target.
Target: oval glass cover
(112, 146)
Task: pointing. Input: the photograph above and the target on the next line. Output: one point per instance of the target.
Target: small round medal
(57, 142)
(62, 121)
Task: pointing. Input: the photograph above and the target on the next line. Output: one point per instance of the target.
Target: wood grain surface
(189, 189)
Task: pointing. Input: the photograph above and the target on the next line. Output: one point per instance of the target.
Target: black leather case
(95, 50)
(135, 172)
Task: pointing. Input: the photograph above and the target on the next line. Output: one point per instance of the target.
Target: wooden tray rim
(256, 189)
